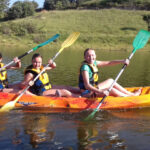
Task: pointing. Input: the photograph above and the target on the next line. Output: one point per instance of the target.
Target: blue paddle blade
(141, 39)
(48, 41)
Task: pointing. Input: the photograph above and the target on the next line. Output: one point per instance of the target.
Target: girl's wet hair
(87, 50)
(36, 55)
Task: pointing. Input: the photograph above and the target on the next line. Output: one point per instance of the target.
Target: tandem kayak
(72, 104)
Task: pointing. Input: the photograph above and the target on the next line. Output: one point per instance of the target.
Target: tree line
(21, 9)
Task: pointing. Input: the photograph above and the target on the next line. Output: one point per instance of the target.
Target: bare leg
(13, 88)
(115, 92)
(59, 93)
(10, 90)
(69, 88)
(50, 92)
(117, 89)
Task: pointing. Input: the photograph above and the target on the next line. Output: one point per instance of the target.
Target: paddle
(68, 42)
(33, 49)
(139, 42)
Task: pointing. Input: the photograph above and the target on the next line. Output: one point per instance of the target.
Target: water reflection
(3, 122)
(99, 134)
(107, 131)
(16, 138)
(113, 131)
(36, 127)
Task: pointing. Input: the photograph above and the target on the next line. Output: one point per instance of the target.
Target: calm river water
(110, 130)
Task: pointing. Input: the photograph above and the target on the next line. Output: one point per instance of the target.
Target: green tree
(78, 3)
(56, 4)
(35, 4)
(3, 7)
(50, 4)
(146, 18)
(15, 11)
(28, 9)
(21, 10)
(62, 4)
(59, 5)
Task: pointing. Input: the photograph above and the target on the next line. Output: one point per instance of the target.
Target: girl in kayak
(3, 73)
(88, 78)
(42, 85)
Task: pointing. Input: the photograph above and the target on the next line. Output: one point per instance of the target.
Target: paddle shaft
(21, 94)
(33, 49)
(121, 71)
(139, 42)
(119, 74)
(66, 43)
(48, 64)
(69, 41)
(38, 75)
(18, 58)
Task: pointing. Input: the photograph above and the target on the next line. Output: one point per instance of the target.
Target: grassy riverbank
(110, 29)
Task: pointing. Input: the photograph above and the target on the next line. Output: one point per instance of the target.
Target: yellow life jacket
(43, 77)
(3, 76)
(95, 72)
(93, 79)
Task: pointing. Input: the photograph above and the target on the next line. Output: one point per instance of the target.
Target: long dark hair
(87, 50)
(36, 55)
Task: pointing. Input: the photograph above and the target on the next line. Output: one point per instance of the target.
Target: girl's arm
(87, 84)
(26, 82)
(113, 62)
(17, 64)
(52, 65)
(28, 77)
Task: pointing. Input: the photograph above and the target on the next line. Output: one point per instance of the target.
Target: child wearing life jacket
(88, 78)
(3, 72)
(42, 85)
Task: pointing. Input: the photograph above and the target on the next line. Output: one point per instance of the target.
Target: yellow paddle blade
(70, 40)
(10, 105)
(7, 107)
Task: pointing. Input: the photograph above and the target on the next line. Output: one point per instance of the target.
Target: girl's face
(90, 56)
(37, 62)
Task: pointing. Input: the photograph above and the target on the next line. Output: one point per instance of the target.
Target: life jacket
(93, 80)
(42, 83)
(3, 77)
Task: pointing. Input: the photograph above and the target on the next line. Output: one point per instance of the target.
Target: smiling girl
(88, 78)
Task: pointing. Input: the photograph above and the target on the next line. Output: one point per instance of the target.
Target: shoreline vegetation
(106, 29)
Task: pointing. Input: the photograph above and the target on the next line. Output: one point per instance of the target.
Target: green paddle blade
(48, 41)
(141, 39)
(91, 116)
(139, 42)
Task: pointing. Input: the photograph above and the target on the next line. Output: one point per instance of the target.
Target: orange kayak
(62, 104)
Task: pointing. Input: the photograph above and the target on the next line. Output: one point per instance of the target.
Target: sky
(40, 2)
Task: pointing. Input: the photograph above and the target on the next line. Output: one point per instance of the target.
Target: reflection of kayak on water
(72, 104)
(132, 113)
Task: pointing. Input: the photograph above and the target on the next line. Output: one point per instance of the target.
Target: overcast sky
(40, 2)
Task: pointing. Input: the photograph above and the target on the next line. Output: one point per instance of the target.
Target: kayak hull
(61, 104)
